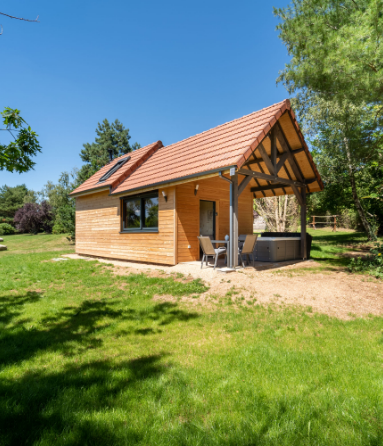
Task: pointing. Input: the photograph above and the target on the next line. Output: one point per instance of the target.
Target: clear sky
(166, 69)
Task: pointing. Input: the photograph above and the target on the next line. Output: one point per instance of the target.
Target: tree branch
(20, 18)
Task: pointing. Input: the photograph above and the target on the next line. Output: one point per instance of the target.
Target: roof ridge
(151, 148)
(229, 122)
(133, 151)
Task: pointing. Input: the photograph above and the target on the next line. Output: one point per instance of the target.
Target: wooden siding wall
(98, 230)
(187, 213)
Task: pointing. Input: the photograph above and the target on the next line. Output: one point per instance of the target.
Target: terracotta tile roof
(137, 158)
(229, 144)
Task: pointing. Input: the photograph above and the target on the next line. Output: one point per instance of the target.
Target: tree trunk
(276, 214)
(285, 213)
(359, 208)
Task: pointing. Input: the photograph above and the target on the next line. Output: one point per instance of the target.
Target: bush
(65, 221)
(371, 264)
(6, 229)
(34, 218)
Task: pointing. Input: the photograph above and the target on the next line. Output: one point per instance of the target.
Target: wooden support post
(234, 234)
(303, 225)
(314, 222)
(334, 223)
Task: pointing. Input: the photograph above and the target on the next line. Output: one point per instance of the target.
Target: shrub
(371, 264)
(6, 229)
(34, 218)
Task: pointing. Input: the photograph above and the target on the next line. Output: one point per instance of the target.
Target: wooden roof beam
(271, 178)
(278, 186)
(260, 168)
(279, 156)
(286, 149)
(261, 189)
(266, 159)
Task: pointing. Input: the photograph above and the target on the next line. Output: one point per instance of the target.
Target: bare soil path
(335, 293)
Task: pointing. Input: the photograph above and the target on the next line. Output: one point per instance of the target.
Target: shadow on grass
(341, 238)
(330, 261)
(12, 306)
(69, 407)
(76, 329)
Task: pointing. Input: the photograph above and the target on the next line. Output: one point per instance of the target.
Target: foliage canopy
(110, 136)
(17, 155)
(63, 206)
(11, 199)
(34, 217)
(336, 48)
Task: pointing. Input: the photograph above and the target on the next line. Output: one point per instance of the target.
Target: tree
(63, 206)
(113, 137)
(281, 214)
(11, 199)
(34, 217)
(348, 142)
(335, 47)
(17, 155)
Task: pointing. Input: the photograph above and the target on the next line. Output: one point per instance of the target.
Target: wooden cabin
(150, 205)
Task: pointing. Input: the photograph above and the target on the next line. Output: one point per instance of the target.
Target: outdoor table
(225, 242)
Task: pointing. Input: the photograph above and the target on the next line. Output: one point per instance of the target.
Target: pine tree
(95, 155)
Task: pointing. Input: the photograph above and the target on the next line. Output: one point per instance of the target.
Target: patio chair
(209, 250)
(241, 240)
(248, 248)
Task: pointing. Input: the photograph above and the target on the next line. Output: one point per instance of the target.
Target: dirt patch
(353, 254)
(126, 271)
(36, 290)
(333, 292)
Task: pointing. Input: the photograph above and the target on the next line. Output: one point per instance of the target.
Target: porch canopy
(264, 150)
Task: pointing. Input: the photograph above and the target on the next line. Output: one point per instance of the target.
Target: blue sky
(166, 69)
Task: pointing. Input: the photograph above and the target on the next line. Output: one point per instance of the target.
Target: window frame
(114, 169)
(142, 198)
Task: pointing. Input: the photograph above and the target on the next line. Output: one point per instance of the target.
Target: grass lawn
(90, 358)
(27, 243)
(328, 247)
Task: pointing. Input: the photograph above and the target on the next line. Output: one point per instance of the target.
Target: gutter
(187, 177)
(89, 191)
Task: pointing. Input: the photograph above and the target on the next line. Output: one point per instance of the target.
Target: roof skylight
(114, 169)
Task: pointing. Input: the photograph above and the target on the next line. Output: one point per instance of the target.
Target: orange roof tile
(136, 159)
(227, 145)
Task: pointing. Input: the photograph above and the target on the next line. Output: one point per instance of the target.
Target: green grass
(90, 358)
(28, 243)
(328, 247)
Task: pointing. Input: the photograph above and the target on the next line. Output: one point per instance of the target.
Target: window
(140, 213)
(111, 171)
